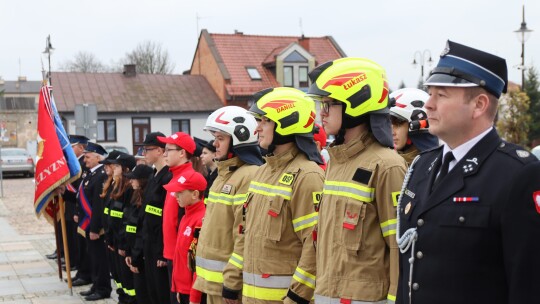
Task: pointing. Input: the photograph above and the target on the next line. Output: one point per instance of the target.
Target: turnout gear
(357, 254)
(279, 253)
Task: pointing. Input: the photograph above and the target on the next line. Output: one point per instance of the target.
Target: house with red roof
(131, 104)
(238, 65)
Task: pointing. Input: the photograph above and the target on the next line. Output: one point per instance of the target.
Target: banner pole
(65, 241)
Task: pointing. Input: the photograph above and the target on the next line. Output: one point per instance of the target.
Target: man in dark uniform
(92, 204)
(78, 143)
(155, 264)
(468, 219)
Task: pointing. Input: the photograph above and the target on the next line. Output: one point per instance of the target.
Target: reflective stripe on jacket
(279, 254)
(357, 254)
(220, 248)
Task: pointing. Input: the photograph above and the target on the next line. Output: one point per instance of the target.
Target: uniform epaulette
(516, 152)
(431, 150)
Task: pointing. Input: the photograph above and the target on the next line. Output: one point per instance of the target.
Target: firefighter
(279, 255)
(357, 254)
(410, 124)
(219, 258)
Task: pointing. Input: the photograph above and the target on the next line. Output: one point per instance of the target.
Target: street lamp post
(48, 50)
(523, 34)
(423, 58)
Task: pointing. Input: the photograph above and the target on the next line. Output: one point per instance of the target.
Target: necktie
(448, 157)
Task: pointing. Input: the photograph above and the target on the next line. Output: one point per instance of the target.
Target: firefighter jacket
(133, 218)
(116, 217)
(220, 249)
(409, 154)
(92, 186)
(357, 253)
(172, 214)
(153, 200)
(279, 254)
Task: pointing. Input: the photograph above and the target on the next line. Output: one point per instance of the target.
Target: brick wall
(205, 64)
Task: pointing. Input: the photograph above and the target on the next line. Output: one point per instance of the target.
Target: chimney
(2, 82)
(130, 70)
(237, 32)
(304, 42)
(22, 78)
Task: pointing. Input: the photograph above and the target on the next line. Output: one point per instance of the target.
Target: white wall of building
(158, 122)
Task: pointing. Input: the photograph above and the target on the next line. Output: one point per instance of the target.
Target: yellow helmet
(291, 110)
(357, 82)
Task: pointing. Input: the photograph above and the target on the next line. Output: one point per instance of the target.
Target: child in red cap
(188, 190)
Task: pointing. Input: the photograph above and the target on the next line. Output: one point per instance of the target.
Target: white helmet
(236, 122)
(409, 105)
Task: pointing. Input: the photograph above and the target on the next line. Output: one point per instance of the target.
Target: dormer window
(253, 73)
(295, 70)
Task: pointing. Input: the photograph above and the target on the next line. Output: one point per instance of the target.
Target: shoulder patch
(286, 179)
(362, 176)
(226, 189)
(516, 152)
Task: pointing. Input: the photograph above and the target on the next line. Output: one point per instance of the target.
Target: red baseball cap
(188, 180)
(320, 136)
(180, 139)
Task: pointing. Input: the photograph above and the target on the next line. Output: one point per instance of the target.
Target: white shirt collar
(96, 167)
(462, 150)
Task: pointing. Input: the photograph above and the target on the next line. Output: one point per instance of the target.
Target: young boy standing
(188, 190)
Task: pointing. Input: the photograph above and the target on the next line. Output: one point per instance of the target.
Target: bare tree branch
(150, 58)
(85, 62)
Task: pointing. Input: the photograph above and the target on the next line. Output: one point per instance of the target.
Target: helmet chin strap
(279, 140)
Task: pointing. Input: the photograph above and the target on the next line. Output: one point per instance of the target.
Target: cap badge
(446, 50)
(182, 180)
(174, 136)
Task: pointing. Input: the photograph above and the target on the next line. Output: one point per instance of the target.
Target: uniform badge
(86, 183)
(286, 179)
(466, 199)
(409, 193)
(446, 50)
(432, 164)
(470, 165)
(408, 208)
(536, 199)
(522, 153)
(395, 197)
(226, 189)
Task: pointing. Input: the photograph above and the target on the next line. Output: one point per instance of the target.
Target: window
(253, 73)
(303, 81)
(17, 103)
(288, 80)
(106, 130)
(181, 125)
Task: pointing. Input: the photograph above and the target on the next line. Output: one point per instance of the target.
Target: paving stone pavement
(26, 275)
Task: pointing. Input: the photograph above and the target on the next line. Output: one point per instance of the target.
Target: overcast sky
(388, 32)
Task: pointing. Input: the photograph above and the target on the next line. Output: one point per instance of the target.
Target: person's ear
(481, 105)
(195, 195)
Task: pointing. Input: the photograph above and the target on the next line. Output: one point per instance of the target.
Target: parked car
(117, 148)
(16, 160)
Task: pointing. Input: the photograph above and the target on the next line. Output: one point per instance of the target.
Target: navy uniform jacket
(153, 202)
(478, 231)
(71, 198)
(93, 186)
